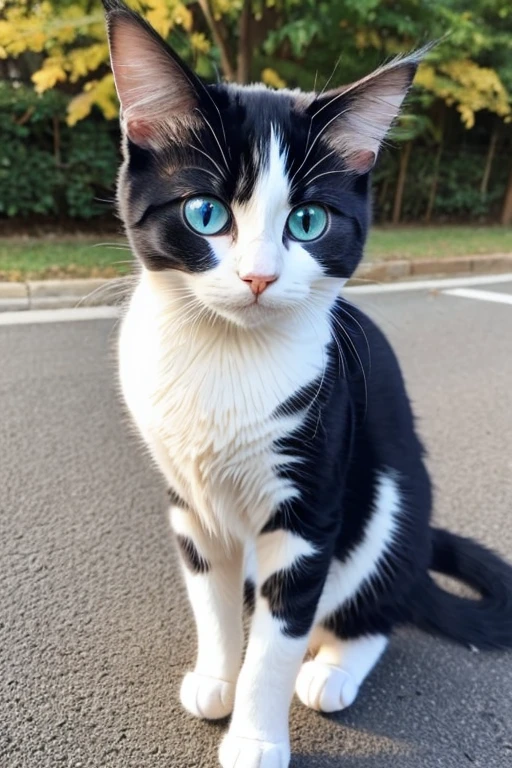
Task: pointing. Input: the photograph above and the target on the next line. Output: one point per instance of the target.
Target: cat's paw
(324, 687)
(207, 697)
(252, 753)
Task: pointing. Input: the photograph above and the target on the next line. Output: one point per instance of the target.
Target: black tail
(485, 624)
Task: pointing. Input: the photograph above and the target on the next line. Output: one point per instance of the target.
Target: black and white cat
(276, 411)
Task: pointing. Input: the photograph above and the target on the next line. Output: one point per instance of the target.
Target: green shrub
(48, 168)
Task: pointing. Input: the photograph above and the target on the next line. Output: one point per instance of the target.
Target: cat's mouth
(249, 311)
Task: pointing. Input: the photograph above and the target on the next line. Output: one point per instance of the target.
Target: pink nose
(259, 283)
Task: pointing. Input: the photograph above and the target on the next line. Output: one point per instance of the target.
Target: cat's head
(254, 202)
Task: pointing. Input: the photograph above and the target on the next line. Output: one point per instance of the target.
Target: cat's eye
(307, 222)
(206, 215)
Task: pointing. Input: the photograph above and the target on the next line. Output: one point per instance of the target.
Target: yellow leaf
(100, 93)
(464, 83)
(426, 77)
(79, 107)
(81, 61)
(159, 16)
(270, 77)
(105, 97)
(200, 42)
(182, 16)
(51, 73)
(467, 115)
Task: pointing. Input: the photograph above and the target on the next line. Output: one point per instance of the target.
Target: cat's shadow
(346, 761)
(428, 703)
(413, 711)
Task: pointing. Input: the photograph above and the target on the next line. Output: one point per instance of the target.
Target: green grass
(43, 258)
(89, 256)
(436, 242)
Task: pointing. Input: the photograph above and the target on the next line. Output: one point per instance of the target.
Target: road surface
(95, 631)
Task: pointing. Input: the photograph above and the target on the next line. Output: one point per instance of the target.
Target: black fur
(191, 557)
(249, 595)
(486, 623)
(175, 499)
(337, 478)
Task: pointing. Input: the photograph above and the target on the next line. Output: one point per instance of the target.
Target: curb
(62, 294)
(95, 292)
(388, 271)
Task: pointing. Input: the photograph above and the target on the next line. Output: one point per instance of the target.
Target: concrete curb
(62, 294)
(388, 271)
(56, 294)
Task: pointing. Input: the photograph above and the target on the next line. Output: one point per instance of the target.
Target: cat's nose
(259, 283)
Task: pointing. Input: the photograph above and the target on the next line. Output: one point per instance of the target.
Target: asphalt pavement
(95, 630)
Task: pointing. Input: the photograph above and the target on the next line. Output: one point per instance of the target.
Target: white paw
(207, 697)
(324, 687)
(239, 752)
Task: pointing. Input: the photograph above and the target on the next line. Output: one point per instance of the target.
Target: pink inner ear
(156, 94)
(140, 132)
(361, 161)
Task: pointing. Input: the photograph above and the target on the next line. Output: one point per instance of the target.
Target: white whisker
(212, 161)
(216, 139)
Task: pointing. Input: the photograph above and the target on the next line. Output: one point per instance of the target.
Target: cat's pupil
(306, 220)
(206, 212)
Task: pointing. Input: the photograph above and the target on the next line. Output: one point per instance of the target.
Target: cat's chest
(209, 406)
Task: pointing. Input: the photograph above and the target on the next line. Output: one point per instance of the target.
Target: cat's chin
(250, 316)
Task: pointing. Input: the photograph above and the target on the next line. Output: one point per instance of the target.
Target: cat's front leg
(214, 580)
(291, 575)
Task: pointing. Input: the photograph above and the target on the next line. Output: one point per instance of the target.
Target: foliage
(458, 197)
(47, 168)
(68, 37)
(57, 50)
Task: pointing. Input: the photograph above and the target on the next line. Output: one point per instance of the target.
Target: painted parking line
(457, 286)
(438, 283)
(469, 293)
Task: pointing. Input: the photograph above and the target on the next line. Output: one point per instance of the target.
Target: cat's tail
(484, 623)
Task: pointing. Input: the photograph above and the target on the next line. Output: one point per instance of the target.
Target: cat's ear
(157, 91)
(354, 119)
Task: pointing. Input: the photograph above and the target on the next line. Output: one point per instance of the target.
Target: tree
(279, 41)
(61, 45)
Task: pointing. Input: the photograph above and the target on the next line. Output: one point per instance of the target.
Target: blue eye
(206, 215)
(307, 222)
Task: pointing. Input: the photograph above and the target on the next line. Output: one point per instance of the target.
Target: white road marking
(25, 317)
(441, 284)
(468, 293)
(57, 315)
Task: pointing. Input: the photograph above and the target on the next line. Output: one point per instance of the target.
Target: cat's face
(252, 202)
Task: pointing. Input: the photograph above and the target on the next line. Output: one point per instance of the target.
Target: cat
(276, 410)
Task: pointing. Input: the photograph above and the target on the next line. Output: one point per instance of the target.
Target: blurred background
(443, 186)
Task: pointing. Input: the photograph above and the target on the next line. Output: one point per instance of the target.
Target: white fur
(206, 408)
(261, 221)
(280, 550)
(331, 681)
(259, 729)
(216, 598)
(258, 734)
(346, 579)
(203, 391)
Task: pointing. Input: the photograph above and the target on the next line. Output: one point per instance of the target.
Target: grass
(67, 257)
(436, 242)
(87, 256)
